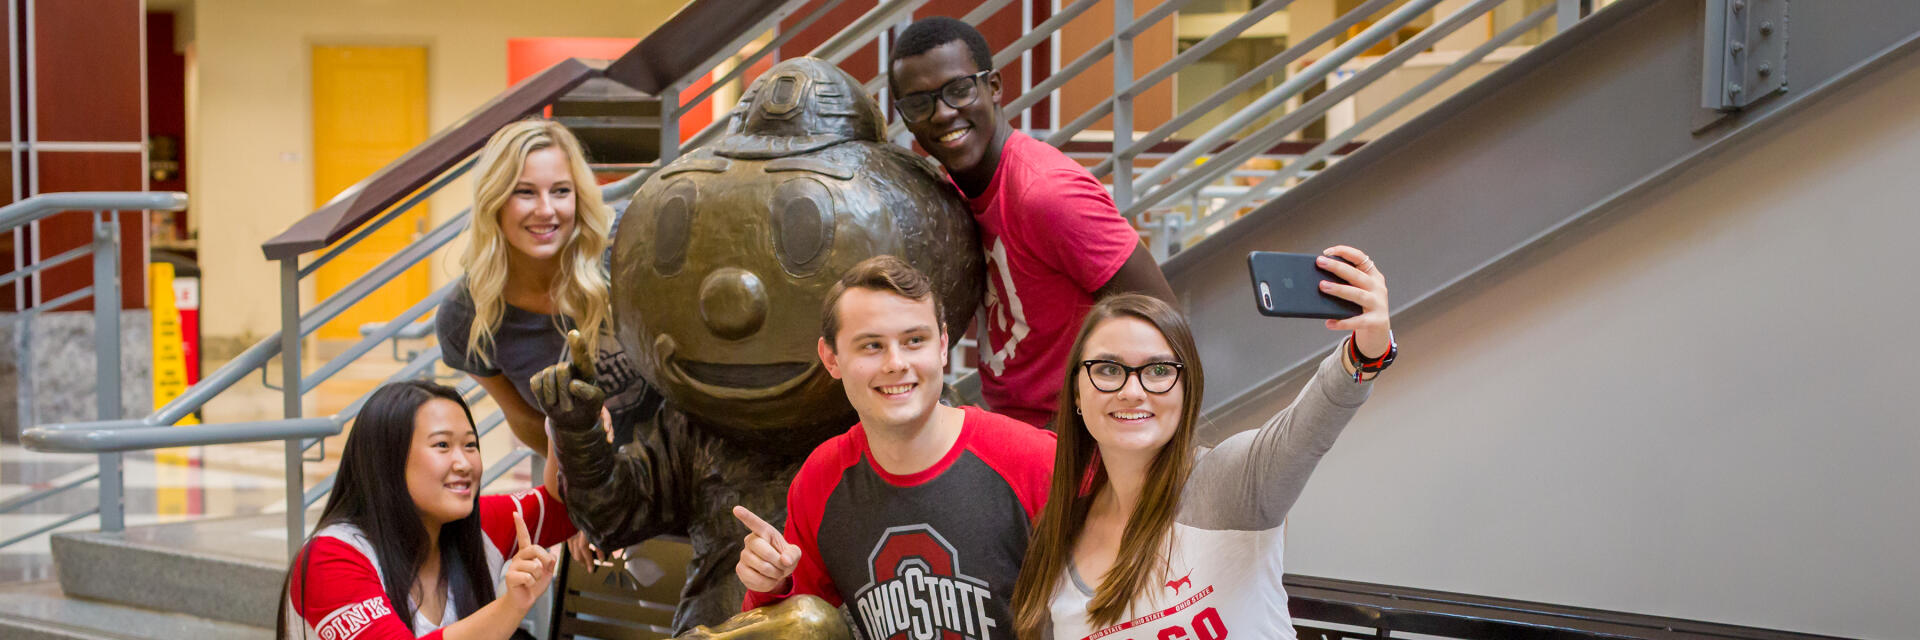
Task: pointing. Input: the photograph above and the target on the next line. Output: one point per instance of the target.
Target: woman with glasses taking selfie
(1145, 533)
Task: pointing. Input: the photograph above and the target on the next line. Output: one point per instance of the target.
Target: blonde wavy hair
(580, 288)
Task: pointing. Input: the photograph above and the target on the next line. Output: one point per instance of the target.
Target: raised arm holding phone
(1146, 533)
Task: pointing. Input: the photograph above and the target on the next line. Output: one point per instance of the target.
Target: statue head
(723, 261)
(800, 105)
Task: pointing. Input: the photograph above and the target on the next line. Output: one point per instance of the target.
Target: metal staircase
(1500, 169)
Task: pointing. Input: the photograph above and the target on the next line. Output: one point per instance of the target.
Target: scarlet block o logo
(916, 590)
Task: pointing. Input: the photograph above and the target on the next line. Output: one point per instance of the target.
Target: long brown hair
(1078, 476)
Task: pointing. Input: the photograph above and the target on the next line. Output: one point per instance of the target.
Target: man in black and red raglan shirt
(916, 518)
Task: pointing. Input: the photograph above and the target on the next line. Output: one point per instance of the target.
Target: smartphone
(1287, 285)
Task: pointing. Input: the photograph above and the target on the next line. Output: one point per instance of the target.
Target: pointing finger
(582, 356)
(520, 531)
(758, 526)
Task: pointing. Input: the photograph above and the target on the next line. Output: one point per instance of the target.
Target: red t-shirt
(937, 549)
(347, 600)
(1052, 236)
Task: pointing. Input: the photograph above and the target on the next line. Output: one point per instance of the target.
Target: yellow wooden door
(369, 108)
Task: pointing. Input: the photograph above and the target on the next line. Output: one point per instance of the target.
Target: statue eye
(803, 224)
(672, 224)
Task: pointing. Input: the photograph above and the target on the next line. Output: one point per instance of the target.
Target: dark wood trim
(1458, 615)
(695, 33)
(439, 153)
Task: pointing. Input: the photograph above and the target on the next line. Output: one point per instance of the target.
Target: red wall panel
(91, 172)
(87, 87)
(87, 70)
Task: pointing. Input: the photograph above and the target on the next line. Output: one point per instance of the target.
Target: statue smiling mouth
(732, 381)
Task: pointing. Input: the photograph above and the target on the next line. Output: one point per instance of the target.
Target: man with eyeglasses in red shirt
(1054, 241)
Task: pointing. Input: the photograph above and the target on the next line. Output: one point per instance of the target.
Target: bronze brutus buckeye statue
(720, 268)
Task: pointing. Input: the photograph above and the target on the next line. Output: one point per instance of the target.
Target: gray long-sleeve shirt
(1224, 562)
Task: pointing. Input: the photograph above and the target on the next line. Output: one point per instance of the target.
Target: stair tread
(42, 606)
(253, 539)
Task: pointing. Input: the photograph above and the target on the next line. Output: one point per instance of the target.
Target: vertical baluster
(1026, 66)
(1569, 12)
(106, 345)
(1123, 113)
(670, 123)
(23, 360)
(290, 399)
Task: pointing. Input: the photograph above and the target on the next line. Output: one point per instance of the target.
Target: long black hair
(370, 492)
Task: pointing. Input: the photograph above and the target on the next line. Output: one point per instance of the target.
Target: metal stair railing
(104, 247)
(1313, 109)
(356, 214)
(1200, 175)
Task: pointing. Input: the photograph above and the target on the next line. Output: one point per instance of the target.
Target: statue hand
(566, 392)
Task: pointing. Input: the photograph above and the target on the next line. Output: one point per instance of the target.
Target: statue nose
(733, 303)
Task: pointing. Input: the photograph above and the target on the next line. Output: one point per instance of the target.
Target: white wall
(1702, 407)
(250, 127)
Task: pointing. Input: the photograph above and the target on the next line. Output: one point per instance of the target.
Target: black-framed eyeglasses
(958, 92)
(1110, 376)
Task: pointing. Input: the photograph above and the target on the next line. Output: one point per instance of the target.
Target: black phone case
(1287, 285)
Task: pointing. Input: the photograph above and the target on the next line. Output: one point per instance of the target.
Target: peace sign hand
(767, 560)
(566, 391)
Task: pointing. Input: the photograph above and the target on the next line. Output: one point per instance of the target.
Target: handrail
(741, 67)
(1167, 69)
(367, 198)
(1265, 104)
(92, 438)
(1272, 66)
(44, 264)
(1250, 145)
(104, 248)
(1328, 147)
(694, 39)
(691, 39)
(46, 204)
(13, 504)
(1388, 608)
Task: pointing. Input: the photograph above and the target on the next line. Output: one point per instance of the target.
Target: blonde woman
(1148, 534)
(534, 270)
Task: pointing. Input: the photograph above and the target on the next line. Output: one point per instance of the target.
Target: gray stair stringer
(196, 568)
(40, 611)
(1594, 116)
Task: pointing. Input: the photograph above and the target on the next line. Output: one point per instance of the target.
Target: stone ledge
(216, 569)
(39, 611)
(62, 370)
